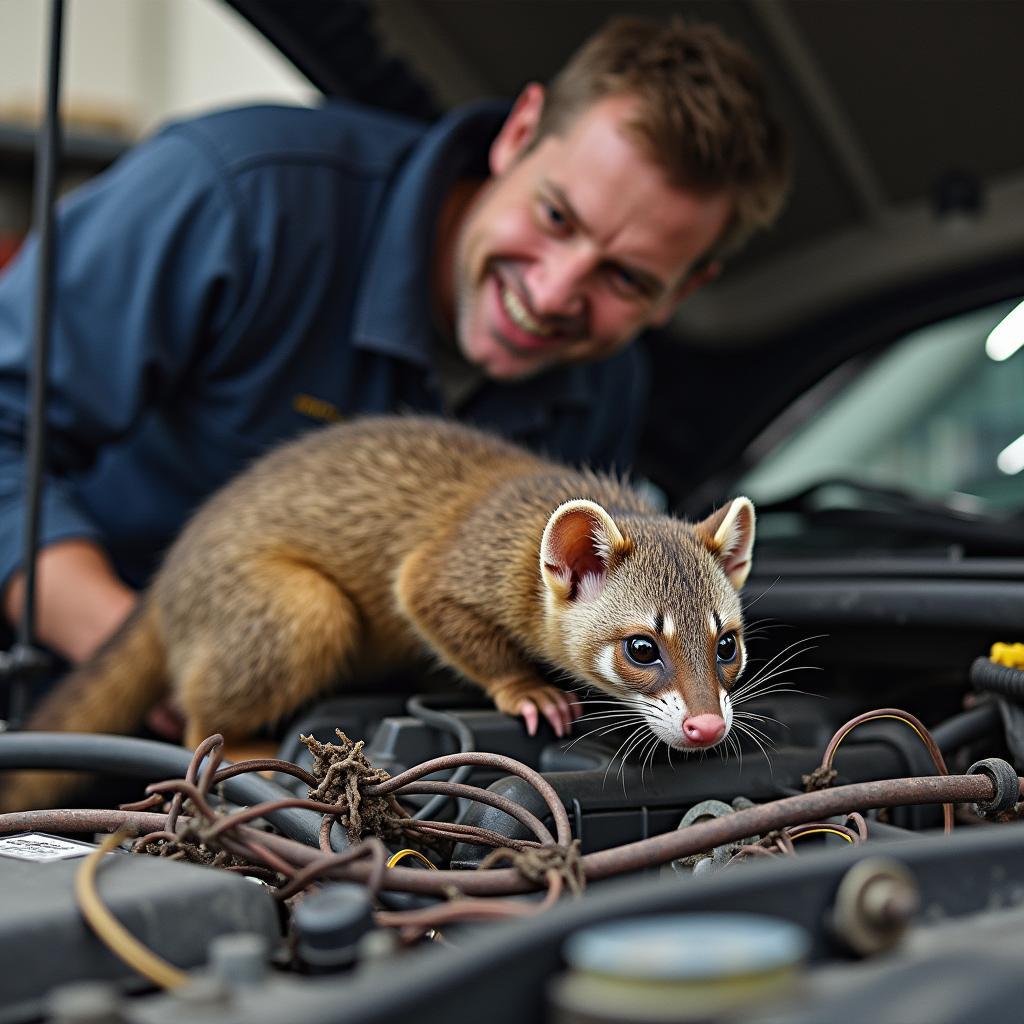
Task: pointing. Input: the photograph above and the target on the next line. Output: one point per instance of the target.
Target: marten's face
(575, 244)
(667, 641)
(648, 610)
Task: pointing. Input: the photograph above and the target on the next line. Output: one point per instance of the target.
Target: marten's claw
(529, 698)
(558, 708)
(528, 712)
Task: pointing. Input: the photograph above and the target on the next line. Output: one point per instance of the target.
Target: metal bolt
(889, 904)
(876, 902)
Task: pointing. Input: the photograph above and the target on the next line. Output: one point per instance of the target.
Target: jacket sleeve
(149, 265)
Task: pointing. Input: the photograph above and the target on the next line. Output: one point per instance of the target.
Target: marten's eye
(727, 648)
(641, 650)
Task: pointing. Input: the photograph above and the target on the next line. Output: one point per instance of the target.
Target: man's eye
(625, 281)
(554, 217)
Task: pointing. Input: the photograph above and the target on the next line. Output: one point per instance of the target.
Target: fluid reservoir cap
(688, 947)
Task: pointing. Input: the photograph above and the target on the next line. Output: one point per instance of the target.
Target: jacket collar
(393, 315)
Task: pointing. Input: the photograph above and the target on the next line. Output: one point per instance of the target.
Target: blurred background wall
(130, 64)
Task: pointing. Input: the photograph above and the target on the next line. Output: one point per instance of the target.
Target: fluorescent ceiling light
(1007, 336)
(1011, 459)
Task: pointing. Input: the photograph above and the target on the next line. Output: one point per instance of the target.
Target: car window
(939, 414)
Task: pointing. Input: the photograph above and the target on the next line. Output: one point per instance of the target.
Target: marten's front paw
(529, 697)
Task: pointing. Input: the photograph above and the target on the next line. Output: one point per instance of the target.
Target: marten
(362, 546)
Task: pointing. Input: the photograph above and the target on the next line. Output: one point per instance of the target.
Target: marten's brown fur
(362, 546)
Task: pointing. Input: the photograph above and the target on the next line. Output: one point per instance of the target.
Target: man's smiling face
(575, 244)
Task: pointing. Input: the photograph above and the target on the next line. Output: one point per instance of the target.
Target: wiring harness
(362, 816)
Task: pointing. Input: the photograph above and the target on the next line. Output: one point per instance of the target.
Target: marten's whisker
(611, 761)
(625, 754)
(763, 688)
(648, 758)
(605, 729)
(745, 729)
(748, 605)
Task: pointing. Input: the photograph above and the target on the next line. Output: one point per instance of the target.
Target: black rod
(45, 185)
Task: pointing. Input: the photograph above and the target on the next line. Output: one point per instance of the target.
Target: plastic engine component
(329, 923)
(175, 909)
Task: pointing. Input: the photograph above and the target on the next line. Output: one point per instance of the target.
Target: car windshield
(933, 425)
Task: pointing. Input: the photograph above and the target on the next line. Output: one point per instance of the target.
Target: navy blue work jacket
(236, 280)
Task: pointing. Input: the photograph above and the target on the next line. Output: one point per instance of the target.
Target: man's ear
(518, 130)
(579, 546)
(694, 280)
(729, 535)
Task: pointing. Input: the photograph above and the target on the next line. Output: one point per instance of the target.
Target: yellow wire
(875, 718)
(415, 854)
(829, 831)
(111, 932)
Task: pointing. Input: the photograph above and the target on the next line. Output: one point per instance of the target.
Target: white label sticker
(40, 847)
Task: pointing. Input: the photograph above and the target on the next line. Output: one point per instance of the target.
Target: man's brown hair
(702, 115)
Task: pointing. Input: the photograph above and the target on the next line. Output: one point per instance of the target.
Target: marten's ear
(579, 545)
(729, 535)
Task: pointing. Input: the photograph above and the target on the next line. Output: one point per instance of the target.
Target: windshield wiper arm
(901, 511)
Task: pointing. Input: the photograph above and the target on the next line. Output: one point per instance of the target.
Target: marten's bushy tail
(110, 693)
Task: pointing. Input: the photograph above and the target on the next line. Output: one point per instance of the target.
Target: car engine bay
(856, 852)
(853, 852)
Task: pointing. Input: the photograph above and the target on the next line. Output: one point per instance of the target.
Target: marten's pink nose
(704, 730)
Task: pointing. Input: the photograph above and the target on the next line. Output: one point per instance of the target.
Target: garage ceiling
(905, 114)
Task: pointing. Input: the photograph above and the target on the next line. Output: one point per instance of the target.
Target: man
(244, 275)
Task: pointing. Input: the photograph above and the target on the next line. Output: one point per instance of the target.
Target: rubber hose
(967, 727)
(450, 724)
(986, 675)
(151, 760)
